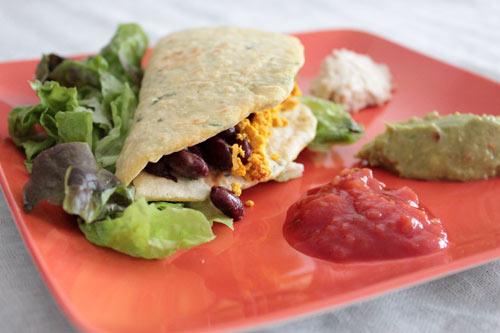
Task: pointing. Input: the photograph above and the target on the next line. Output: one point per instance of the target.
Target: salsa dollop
(356, 218)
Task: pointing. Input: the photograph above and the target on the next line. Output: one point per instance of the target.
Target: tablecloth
(465, 33)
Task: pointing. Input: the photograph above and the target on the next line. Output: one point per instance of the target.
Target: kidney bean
(247, 149)
(217, 153)
(187, 164)
(160, 169)
(229, 203)
(228, 135)
(196, 149)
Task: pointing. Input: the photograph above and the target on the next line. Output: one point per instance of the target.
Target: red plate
(252, 276)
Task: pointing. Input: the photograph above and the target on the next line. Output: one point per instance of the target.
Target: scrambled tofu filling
(256, 129)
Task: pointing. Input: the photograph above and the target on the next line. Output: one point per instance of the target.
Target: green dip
(454, 147)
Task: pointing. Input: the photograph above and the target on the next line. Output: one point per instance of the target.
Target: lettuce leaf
(212, 213)
(54, 98)
(145, 231)
(335, 125)
(68, 175)
(124, 53)
(74, 126)
(94, 194)
(71, 73)
(22, 121)
(92, 100)
(109, 146)
(47, 180)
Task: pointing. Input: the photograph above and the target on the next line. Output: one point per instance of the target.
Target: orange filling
(257, 131)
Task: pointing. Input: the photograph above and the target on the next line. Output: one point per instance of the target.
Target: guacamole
(457, 147)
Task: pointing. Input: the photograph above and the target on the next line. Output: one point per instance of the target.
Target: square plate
(252, 276)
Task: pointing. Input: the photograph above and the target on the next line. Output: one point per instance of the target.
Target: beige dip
(352, 79)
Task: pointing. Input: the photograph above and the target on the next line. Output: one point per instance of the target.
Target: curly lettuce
(91, 101)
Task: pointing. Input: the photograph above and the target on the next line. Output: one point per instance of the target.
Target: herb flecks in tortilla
(164, 96)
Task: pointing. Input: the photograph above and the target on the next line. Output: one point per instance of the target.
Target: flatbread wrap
(217, 107)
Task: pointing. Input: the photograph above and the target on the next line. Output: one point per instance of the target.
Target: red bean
(180, 164)
(217, 153)
(247, 149)
(187, 164)
(196, 149)
(160, 169)
(229, 203)
(228, 135)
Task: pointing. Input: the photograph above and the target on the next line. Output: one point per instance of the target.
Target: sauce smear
(356, 218)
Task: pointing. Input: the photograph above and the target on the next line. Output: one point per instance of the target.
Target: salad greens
(68, 175)
(92, 100)
(150, 231)
(335, 125)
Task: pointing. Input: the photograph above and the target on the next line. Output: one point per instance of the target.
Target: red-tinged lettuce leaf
(47, 64)
(94, 194)
(49, 171)
(68, 175)
(71, 73)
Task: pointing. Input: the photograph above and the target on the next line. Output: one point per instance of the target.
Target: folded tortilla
(201, 82)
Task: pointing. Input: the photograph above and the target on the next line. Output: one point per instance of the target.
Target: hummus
(352, 79)
(458, 147)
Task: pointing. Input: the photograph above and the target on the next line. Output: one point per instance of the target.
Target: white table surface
(465, 33)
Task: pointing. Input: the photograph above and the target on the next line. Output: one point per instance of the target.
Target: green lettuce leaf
(145, 231)
(212, 213)
(75, 126)
(22, 121)
(125, 51)
(108, 147)
(335, 125)
(54, 97)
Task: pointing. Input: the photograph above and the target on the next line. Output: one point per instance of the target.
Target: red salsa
(356, 218)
